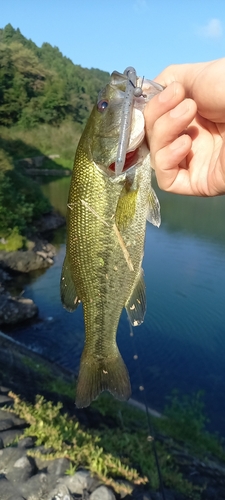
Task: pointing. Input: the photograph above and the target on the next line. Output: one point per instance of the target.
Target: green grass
(48, 380)
(14, 241)
(43, 140)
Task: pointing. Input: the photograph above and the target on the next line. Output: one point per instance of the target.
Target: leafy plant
(109, 453)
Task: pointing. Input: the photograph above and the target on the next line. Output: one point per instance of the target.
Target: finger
(175, 72)
(170, 176)
(170, 125)
(203, 82)
(160, 104)
(169, 145)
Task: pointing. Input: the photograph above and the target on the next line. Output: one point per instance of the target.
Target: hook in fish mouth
(131, 159)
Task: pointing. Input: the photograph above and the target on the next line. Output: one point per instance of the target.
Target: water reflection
(201, 217)
(182, 341)
(57, 192)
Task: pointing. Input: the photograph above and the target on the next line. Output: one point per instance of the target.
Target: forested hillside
(40, 85)
(45, 100)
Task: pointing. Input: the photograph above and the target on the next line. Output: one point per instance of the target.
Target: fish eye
(102, 105)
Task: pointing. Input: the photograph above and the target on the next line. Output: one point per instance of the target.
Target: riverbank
(39, 255)
(44, 454)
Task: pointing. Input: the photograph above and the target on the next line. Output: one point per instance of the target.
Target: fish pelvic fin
(136, 304)
(153, 214)
(102, 374)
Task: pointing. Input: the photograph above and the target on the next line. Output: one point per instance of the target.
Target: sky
(113, 34)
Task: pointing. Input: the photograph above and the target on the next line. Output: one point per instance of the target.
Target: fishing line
(151, 435)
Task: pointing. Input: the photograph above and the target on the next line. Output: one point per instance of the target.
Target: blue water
(181, 344)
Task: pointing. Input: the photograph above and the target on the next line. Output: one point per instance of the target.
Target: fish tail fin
(97, 375)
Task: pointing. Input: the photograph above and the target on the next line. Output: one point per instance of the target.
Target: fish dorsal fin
(69, 297)
(153, 214)
(136, 304)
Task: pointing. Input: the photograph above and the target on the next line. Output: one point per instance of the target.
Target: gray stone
(8, 457)
(23, 468)
(59, 466)
(16, 497)
(6, 424)
(36, 488)
(8, 491)
(78, 482)
(5, 400)
(61, 492)
(22, 261)
(102, 493)
(4, 390)
(26, 442)
(14, 310)
(17, 422)
(9, 436)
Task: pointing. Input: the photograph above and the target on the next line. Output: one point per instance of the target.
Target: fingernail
(178, 143)
(179, 110)
(167, 94)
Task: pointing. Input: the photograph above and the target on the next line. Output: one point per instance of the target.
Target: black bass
(106, 222)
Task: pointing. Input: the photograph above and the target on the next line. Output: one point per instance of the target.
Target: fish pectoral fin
(69, 297)
(126, 207)
(136, 304)
(97, 375)
(153, 214)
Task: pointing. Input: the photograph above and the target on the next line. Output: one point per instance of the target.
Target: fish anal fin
(153, 214)
(69, 297)
(97, 375)
(136, 304)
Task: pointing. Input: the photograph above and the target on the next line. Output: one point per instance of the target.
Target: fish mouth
(131, 160)
(137, 137)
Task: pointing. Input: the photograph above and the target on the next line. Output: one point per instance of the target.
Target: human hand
(185, 128)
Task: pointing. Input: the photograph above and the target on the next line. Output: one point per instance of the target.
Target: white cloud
(213, 29)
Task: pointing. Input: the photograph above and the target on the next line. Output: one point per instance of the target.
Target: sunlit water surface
(181, 344)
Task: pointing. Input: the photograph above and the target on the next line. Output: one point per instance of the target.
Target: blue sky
(114, 34)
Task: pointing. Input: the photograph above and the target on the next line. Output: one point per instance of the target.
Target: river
(181, 344)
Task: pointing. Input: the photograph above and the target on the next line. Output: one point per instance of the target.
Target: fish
(107, 210)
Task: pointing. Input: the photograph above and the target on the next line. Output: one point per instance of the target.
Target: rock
(17, 421)
(14, 310)
(27, 443)
(10, 435)
(8, 491)
(102, 493)
(4, 390)
(78, 482)
(22, 470)
(36, 488)
(6, 424)
(5, 400)
(22, 261)
(61, 492)
(8, 456)
(58, 467)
